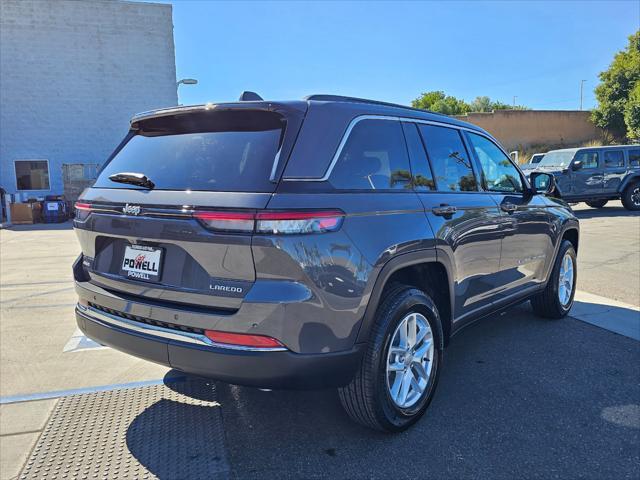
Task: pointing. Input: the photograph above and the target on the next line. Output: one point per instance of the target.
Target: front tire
(631, 197)
(597, 203)
(401, 365)
(556, 299)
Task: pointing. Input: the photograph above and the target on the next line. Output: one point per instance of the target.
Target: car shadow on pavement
(605, 212)
(518, 397)
(67, 225)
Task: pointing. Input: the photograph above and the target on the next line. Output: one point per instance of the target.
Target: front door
(588, 179)
(527, 242)
(614, 170)
(464, 220)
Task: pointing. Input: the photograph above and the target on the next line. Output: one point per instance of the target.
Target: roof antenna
(248, 96)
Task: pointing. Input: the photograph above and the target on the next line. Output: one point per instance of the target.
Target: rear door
(614, 170)
(527, 243)
(187, 239)
(589, 178)
(465, 221)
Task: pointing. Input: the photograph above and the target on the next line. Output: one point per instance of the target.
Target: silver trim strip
(358, 119)
(153, 330)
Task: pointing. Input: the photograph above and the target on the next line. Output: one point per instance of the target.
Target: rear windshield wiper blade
(132, 178)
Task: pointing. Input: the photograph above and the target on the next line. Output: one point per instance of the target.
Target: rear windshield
(222, 151)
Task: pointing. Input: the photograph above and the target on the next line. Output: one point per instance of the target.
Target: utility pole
(514, 101)
(581, 90)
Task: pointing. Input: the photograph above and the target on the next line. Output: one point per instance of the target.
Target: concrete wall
(524, 128)
(72, 73)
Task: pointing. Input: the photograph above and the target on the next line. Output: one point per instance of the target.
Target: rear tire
(554, 302)
(631, 197)
(597, 203)
(369, 398)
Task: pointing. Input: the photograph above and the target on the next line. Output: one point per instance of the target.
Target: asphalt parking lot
(519, 397)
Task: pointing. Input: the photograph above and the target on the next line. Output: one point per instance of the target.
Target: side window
(613, 158)
(374, 158)
(634, 158)
(449, 160)
(498, 173)
(588, 159)
(422, 176)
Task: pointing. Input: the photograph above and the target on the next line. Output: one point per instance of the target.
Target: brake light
(243, 339)
(226, 221)
(299, 222)
(82, 210)
(273, 222)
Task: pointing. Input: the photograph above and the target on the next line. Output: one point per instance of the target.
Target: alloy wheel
(410, 360)
(566, 279)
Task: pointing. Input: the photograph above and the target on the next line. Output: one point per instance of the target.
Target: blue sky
(393, 51)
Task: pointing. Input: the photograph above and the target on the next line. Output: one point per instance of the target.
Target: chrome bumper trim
(167, 333)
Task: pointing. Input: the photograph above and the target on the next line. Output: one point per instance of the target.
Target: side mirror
(577, 165)
(542, 182)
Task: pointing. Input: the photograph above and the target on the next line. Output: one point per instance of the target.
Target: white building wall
(72, 73)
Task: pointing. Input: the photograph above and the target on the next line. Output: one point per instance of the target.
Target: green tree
(437, 101)
(632, 113)
(617, 94)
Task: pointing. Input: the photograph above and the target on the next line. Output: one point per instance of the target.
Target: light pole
(581, 90)
(514, 101)
(186, 81)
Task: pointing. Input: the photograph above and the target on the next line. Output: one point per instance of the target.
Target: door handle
(509, 207)
(444, 210)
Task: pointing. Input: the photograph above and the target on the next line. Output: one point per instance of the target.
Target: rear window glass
(634, 158)
(374, 158)
(230, 153)
(449, 159)
(614, 158)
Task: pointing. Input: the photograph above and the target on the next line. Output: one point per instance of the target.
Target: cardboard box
(22, 213)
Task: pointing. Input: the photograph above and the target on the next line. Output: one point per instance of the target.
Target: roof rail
(340, 98)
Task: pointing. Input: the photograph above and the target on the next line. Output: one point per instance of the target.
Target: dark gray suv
(330, 242)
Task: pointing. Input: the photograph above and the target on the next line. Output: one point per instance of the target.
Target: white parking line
(79, 342)
(618, 317)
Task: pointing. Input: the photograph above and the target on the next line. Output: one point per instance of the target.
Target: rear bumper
(264, 369)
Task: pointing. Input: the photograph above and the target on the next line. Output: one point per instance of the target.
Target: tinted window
(498, 173)
(422, 177)
(634, 158)
(588, 159)
(449, 160)
(237, 156)
(374, 158)
(614, 158)
(32, 174)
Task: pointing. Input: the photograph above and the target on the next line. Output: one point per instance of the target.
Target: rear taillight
(82, 210)
(273, 222)
(227, 221)
(243, 339)
(299, 222)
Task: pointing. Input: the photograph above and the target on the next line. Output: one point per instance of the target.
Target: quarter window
(422, 177)
(634, 158)
(588, 159)
(374, 158)
(32, 174)
(498, 173)
(614, 158)
(449, 160)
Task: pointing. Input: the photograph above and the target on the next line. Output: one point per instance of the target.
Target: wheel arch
(426, 270)
(630, 179)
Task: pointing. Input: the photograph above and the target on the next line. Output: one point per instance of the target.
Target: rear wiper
(132, 178)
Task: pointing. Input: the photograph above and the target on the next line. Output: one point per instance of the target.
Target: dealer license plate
(142, 262)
